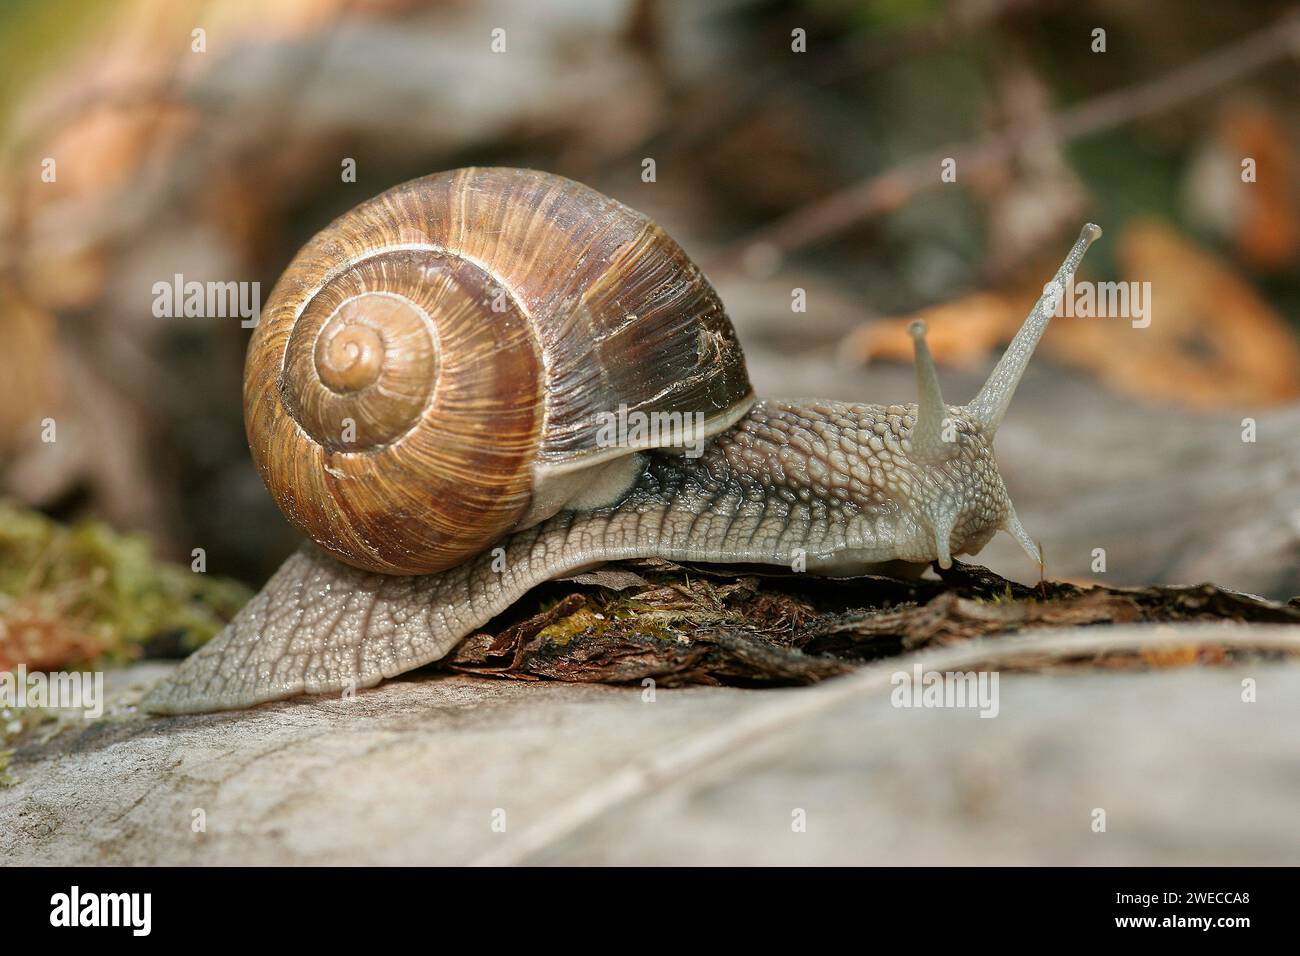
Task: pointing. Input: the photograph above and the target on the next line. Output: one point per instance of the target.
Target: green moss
(567, 628)
(87, 594)
(669, 606)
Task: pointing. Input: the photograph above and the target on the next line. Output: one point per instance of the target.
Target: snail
(421, 398)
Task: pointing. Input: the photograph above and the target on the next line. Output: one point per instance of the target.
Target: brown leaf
(616, 579)
(1261, 218)
(1212, 340)
(961, 332)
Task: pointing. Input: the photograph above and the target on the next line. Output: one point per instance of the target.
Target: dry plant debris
(680, 625)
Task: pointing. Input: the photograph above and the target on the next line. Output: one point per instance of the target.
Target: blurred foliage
(33, 33)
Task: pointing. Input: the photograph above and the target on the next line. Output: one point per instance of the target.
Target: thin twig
(895, 186)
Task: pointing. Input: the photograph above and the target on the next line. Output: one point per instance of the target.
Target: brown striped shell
(437, 358)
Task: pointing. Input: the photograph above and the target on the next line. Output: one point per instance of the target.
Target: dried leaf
(1211, 342)
(1260, 216)
(962, 332)
(616, 579)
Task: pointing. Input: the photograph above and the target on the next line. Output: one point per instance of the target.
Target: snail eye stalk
(927, 435)
(989, 407)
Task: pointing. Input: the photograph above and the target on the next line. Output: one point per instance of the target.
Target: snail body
(421, 398)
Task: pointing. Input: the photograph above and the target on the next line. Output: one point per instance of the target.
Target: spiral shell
(435, 356)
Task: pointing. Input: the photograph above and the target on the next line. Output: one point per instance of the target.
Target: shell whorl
(392, 400)
(430, 355)
(362, 375)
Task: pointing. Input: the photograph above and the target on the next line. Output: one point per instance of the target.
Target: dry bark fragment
(715, 625)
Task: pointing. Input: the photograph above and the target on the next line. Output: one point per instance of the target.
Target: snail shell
(428, 372)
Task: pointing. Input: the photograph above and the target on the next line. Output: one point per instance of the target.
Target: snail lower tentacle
(806, 486)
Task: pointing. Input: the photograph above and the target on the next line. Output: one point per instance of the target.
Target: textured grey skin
(826, 487)
(829, 485)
